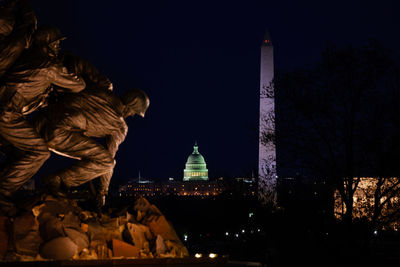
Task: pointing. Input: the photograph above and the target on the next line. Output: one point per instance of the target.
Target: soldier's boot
(100, 202)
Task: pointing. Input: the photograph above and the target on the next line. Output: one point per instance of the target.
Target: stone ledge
(220, 261)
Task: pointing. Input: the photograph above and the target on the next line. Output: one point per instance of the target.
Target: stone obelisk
(267, 152)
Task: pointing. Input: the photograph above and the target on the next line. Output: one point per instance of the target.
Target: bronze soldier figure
(17, 25)
(25, 89)
(89, 73)
(7, 18)
(69, 126)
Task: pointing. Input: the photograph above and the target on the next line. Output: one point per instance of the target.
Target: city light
(185, 237)
(212, 255)
(226, 233)
(198, 255)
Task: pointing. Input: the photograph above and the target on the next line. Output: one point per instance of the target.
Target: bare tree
(324, 116)
(267, 175)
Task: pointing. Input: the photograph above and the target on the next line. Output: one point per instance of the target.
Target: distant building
(196, 168)
(140, 187)
(195, 188)
(246, 187)
(148, 188)
(195, 183)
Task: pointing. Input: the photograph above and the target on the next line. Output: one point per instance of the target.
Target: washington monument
(267, 153)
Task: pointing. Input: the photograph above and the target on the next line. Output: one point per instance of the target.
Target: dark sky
(199, 63)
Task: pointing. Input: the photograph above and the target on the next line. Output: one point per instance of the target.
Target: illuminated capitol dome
(196, 168)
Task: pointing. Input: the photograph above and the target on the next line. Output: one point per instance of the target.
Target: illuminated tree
(377, 199)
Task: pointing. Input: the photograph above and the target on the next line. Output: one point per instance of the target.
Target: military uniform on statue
(68, 128)
(25, 89)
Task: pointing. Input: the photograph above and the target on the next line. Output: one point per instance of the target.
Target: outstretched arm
(60, 76)
(93, 78)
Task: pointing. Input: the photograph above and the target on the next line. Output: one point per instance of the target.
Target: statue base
(57, 232)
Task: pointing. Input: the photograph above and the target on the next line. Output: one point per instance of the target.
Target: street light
(212, 255)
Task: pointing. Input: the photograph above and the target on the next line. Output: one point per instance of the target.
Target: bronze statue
(89, 73)
(94, 81)
(17, 25)
(34, 75)
(68, 128)
(24, 89)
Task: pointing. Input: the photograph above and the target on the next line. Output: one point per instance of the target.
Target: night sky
(199, 63)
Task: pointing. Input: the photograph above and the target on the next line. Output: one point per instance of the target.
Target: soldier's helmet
(137, 100)
(47, 34)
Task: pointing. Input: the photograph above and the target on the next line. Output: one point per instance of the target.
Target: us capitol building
(196, 168)
(195, 182)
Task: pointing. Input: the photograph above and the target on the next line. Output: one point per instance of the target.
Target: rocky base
(57, 229)
(221, 261)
